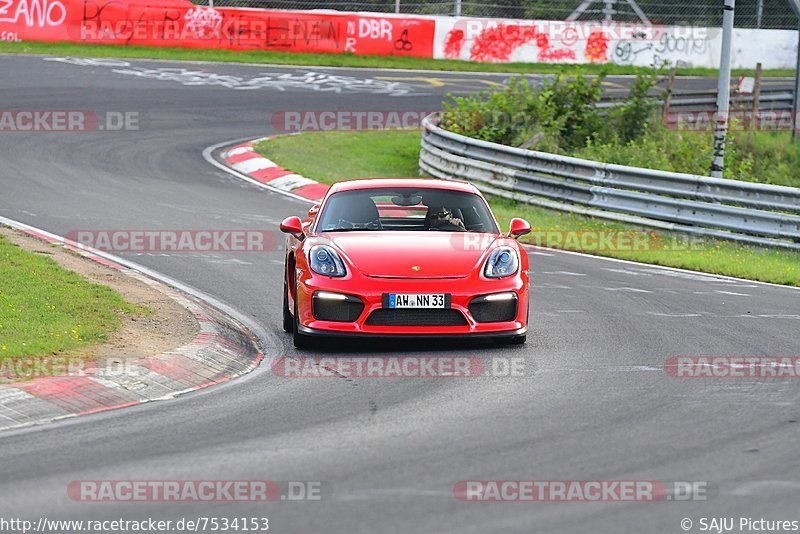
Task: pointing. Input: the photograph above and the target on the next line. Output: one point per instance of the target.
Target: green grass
(48, 310)
(337, 60)
(751, 156)
(343, 155)
(340, 155)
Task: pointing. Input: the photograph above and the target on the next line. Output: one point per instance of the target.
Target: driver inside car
(441, 218)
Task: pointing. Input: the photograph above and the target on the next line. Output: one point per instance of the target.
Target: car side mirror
(518, 228)
(292, 225)
(313, 210)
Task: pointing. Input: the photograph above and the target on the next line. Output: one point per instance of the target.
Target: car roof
(421, 183)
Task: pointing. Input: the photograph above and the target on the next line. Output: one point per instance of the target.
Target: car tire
(288, 320)
(301, 341)
(511, 340)
(518, 340)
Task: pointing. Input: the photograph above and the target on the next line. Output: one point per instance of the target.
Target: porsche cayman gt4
(404, 257)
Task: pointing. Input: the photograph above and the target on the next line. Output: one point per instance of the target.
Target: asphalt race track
(594, 404)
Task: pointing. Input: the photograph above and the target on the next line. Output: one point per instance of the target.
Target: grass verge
(48, 310)
(338, 60)
(394, 153)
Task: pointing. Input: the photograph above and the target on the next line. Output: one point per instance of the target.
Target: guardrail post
(723, 91)
(756, 119)
(796, 105)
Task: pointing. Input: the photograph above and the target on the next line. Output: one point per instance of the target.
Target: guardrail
(757, 214)
(768, 100)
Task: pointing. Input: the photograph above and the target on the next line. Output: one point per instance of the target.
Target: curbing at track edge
(223, 349)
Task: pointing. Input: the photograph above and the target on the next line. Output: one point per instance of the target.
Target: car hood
(413, 254)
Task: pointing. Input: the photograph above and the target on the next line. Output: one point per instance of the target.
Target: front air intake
(416, 317)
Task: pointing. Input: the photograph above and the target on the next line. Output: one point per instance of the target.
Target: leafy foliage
(561, 116)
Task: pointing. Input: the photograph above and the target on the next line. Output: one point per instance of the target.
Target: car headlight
(325, 261)
(502, 262)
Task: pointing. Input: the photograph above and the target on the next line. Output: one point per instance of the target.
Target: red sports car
(404, 257)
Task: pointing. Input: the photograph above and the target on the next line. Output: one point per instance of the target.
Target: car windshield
(409, 209)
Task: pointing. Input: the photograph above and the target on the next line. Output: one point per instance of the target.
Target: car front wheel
(288, 320)
(301, 341)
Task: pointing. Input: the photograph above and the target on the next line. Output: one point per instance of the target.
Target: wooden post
(668, 97)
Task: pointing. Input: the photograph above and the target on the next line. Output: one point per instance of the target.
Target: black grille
(493, 311)
(344, 311)
(416, 317)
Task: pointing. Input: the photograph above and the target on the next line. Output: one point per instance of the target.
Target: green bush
(561, 110)
(560, 115)
(635, 117)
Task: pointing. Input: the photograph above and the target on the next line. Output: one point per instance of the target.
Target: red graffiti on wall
(453, 44)
(497, 43)
(546, 53)
(597, 47)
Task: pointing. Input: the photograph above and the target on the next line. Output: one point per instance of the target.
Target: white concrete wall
(500, 40)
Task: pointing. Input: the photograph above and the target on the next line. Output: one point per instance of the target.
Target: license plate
(417, 300)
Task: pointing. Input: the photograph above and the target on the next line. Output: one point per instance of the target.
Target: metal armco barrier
(757, 214)
(769, 100)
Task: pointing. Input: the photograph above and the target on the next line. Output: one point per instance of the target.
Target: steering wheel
(374, 224)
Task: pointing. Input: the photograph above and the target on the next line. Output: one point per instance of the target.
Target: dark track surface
(595, 402)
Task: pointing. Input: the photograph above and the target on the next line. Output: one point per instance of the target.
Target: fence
(757, 214)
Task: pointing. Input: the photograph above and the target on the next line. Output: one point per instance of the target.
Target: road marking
(629, 289)
(230, 261)
(566, 273)
(659, 314)
(550, 286)
(613, 368)
(767, 487)
(536, 253)
(440, 82)
(732, 293)
(687, 275)
(626, 271)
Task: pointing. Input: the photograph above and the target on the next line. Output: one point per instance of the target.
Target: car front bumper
(371, 290)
